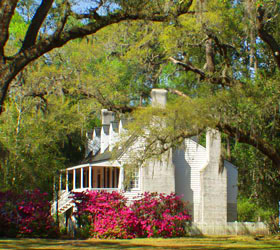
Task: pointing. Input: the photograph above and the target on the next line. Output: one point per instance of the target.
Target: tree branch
(32, 50)
(109, 105)
(266, 37)
(36, 23)
(7, 9)
(41, 95)
(222, 47)
(245, 137)
(66, 12)
(189, 67)
(102, 100)
(91, 15)
(177, 92)
(209, 55)
(222, 80)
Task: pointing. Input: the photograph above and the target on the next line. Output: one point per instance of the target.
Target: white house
(192, 171)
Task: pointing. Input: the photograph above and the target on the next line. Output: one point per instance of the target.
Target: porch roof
(107, 155)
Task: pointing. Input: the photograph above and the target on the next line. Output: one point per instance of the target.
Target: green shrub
(246, 210)
(249, 211)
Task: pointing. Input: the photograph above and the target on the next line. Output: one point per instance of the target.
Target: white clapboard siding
(188, 161)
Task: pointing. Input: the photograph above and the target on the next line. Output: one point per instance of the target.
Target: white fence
(230, 228)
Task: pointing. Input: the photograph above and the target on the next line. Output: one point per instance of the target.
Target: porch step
(65, 207)
(64, 203)
(131, 196)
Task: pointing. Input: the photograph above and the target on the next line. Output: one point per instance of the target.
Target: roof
(115, 126)
(95, 156)
(97, 132)
(106, 156)
(124, 121)
(89, 134)
(106, 129)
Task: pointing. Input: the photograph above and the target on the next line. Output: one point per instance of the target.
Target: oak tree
(56, 22)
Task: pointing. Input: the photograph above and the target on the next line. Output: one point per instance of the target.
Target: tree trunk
(252, 17)
(7, 74)
(209, 53)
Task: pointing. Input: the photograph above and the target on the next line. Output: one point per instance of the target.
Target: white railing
(95, 189)
(65, 200)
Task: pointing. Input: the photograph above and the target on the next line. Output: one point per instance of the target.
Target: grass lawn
(194, 243)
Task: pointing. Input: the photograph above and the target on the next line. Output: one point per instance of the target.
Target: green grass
(193, 243)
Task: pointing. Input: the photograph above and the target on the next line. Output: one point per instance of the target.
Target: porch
(89, 177)
(86, 177)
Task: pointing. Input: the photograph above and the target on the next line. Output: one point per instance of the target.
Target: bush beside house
(106, 215)
(26, 215)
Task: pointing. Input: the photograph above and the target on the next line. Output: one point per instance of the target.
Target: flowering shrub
(107, 216)
(106, 213)
(26, 215)
(160, 215)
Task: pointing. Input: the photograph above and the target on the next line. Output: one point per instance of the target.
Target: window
(132, 178)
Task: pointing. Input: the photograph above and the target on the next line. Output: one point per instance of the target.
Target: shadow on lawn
(44, 244)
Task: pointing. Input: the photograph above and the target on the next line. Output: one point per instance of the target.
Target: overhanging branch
(36, 23)
(266, 37)
(7, 8)
(66, 10)
(32, 50)
(257, 142)
(220, 80)
(177, 92)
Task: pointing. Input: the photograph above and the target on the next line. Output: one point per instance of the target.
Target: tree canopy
(53, 23)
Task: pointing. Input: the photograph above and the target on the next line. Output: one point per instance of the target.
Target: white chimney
(213, 183)
(213, 146)
(107, 117)
(159, 97)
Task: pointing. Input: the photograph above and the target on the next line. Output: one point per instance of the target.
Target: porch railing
(65, 201)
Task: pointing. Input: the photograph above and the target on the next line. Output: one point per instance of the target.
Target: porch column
(60, 182)
(121, 178)
(89, 177)
(115, 177)
(103, 177)
(95, 171)
(111, 176)
(67, 177)
(74, 179)
(82, 178)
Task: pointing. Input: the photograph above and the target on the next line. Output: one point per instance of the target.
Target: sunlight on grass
(194, 243)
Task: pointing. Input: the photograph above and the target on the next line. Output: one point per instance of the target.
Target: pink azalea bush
(106, 215)
(26, 215)
(160, 215)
